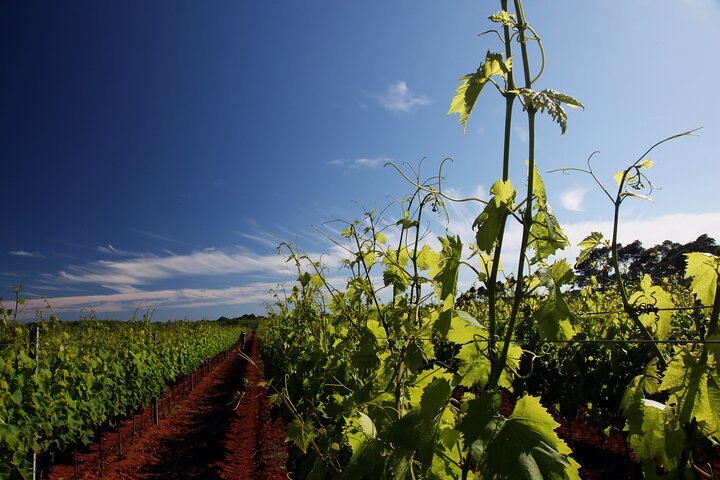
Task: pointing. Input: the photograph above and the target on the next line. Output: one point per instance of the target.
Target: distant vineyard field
(60, 383)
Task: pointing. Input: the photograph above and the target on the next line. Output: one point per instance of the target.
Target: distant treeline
(249, 321)
(663, 261)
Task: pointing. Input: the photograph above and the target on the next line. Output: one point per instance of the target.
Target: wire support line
(617, 340)
(666, 309)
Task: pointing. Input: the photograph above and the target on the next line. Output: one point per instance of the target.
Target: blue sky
(157, 153)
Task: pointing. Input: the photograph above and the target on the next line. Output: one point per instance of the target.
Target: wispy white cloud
(521, 133)
(69, 244)
(573, 199)
(265, 239)
(399, 98)
(180, 298)
(122, 274)
(157, 236)
(111, 250)
(23, 253)
(312, 237)
(367, 162)
(357, 163)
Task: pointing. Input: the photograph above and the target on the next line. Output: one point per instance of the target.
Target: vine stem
(715, 315)
(621, 283)
(499, 366)
(492, 284)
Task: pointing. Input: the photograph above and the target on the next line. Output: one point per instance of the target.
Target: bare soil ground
(204, 437)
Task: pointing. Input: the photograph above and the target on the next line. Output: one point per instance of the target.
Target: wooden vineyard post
(102, 454)
(155, 412)
(35, 342)
(119, 443)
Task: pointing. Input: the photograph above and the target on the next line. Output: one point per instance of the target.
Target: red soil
(204, 437)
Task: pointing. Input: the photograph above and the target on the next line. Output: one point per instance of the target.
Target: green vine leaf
(502, 17)
(474, 365)
(546, 235)
(397, 277)
(427, 259)
(694, 391)
(465, 328)
(654, 296)
(488, 223)
(704, 269)
(555, 320)
(653, 436)
(618, 177)
(301, 433)
(550, 101)
(471, 85)
(446, 280)
(360, 434)
(523, 446)
(588, 244)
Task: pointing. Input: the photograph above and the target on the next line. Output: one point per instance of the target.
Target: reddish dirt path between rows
(204, 437)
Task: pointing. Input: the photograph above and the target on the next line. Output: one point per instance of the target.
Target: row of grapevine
(409, 401)
(386, 377)
(88, 375)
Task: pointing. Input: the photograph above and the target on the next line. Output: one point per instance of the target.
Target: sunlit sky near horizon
(156, 153)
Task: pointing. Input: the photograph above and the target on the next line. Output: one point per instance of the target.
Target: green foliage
(657, 303)
(523, 446)
(704, 269)
(550, 101)
(588, 244)
(471, 85)
(446, 279)
(489, 222)
(88, 375)
(546, 236)
(555, 320)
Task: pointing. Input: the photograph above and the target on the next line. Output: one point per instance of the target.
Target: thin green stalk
(416, 287)
(381, 315)
(492, 284)
(499, 366)
(527, 224)
(621, 284)
(715, 315)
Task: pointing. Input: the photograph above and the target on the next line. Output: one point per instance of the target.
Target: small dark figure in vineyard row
(242, 340)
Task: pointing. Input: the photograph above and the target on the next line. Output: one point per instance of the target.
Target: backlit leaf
(704, 269)
(301, 434)
(588, 244)
(555, 320)
(471, 85)
(446, 280)
(552, 102)
(654, 296)
(488, 223)
(523, 446)
(502, 17)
